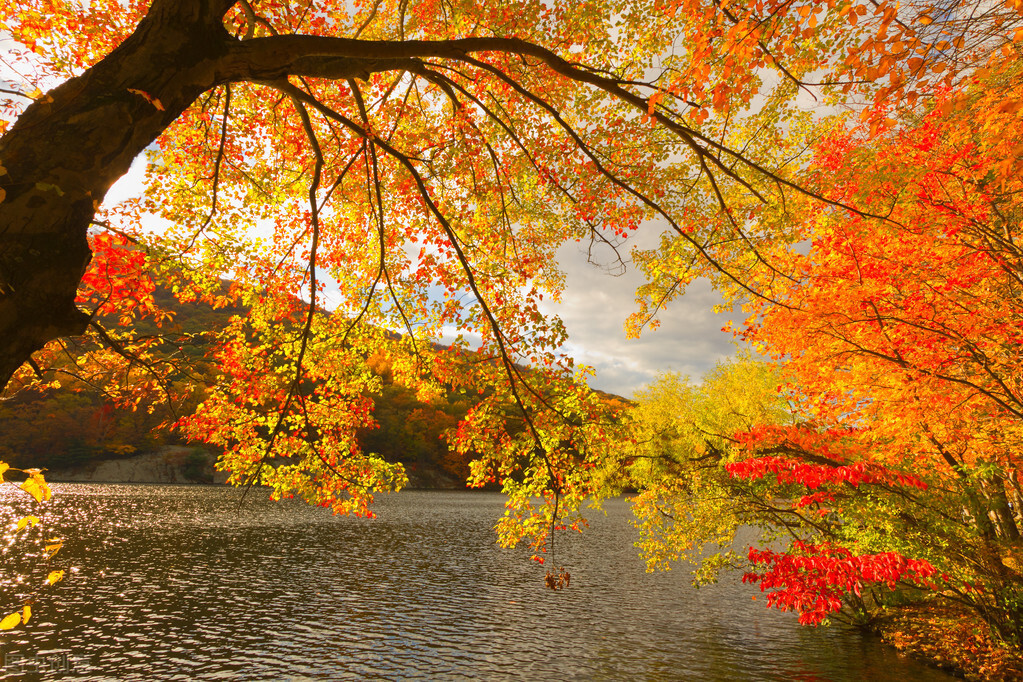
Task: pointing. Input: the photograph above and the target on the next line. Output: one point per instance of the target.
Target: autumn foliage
(376, 177)
(895, 329)
(815, 580)
(26, 549)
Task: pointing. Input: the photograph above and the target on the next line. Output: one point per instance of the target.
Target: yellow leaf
(37, 476)
(35, 485)
(26, 613)
(33, 520)
(53, 549)
(10, 622)
(31, 487)
(54, 577)
(4, 466)
(49, 187)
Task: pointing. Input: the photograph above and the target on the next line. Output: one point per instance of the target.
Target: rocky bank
(169, 464)
(177, 464)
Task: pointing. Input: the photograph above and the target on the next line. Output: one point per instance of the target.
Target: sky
(594, 307)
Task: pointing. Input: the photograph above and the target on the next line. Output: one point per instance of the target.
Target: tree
(688, 507)
(429, 156)
(897, 334)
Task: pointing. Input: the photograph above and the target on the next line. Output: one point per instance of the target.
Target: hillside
(74, 428)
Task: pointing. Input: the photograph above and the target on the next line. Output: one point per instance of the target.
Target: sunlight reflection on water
(182, 583)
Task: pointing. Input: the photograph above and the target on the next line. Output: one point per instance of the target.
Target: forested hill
(62, 429)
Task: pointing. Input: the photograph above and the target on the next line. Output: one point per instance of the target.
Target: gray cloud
(595, 305)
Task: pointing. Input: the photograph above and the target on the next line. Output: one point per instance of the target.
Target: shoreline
(185, 465)
(948, 637)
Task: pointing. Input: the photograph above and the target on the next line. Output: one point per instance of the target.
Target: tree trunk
(1017, 494)
(1002, 508)
(68, 148)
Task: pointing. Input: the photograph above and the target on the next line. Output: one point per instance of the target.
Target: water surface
(189, 583)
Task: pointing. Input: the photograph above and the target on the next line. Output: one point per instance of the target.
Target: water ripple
(193, 583)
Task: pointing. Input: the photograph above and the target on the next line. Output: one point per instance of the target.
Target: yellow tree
(688, 508)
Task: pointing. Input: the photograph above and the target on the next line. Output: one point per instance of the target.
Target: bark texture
(68, 148)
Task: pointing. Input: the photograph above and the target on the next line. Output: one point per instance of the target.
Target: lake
(194, 583)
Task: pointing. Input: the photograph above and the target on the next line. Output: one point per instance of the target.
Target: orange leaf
(149, 98)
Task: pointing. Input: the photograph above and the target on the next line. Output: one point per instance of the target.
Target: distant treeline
(62, 428)
(73, 425)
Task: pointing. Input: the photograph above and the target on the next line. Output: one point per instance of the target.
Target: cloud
(595, 305)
